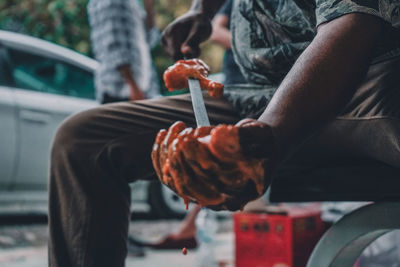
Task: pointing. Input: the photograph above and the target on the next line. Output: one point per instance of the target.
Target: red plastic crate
(279, 238)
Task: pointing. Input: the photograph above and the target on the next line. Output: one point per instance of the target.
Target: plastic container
(207, 227)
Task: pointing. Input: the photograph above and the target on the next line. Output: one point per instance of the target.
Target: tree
(66, 23)
(57, 21)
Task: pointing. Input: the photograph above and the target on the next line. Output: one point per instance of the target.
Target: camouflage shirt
(269, 35)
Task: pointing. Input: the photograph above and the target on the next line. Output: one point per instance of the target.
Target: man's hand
(221, 33)
(184, 35)
(135, 92)
(222, 167)
(176, 77)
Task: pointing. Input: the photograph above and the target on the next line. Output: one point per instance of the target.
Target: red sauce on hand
(176, 77)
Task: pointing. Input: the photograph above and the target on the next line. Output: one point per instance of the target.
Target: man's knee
(72, 133)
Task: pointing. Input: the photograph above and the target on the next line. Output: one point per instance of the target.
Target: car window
(43, 74)
(5, 71)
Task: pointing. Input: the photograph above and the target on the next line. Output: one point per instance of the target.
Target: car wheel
(164, 202)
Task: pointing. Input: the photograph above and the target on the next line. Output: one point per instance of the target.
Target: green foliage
(58, 21)
(65, 22)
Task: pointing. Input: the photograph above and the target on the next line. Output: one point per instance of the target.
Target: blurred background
(47, 71)
(66, 23)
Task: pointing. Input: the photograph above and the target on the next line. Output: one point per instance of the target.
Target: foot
(169, 242)
(134, 250)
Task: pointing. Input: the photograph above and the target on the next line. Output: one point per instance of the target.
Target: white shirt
(119, 37)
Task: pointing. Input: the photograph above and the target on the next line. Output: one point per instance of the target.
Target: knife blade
(199, 108)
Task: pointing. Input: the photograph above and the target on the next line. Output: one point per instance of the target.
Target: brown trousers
(96, 154)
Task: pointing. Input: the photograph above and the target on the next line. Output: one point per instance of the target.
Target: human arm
(320, 83)
(211, 166)
(126, 73)
(220, 32)
(150, 16)
(184, 35)
(323, 79)
(111, 40)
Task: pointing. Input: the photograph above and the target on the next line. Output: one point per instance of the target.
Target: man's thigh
(368, 128)
(119, 137)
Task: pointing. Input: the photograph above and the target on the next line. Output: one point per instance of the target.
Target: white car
(40, 85)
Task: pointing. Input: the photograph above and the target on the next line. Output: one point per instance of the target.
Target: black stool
(343, 243)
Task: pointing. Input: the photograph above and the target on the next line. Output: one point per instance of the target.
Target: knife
(199, 108)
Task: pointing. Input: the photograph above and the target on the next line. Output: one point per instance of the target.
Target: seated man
(336, 68)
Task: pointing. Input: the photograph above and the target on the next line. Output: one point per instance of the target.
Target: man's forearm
(323, 79)
(221, 34)
(150, 16)
(126, 73)
(207, 7)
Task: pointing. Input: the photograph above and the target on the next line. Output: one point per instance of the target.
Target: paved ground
(25, 245)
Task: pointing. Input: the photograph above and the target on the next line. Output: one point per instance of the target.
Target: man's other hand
(183, 36)
(135, 92)
(222, 167)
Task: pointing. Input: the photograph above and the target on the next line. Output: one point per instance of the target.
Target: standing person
(221, 35)
(122, 35)
(335, 67)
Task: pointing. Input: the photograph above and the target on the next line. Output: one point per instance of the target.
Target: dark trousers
(107, 99)
(96, 154)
